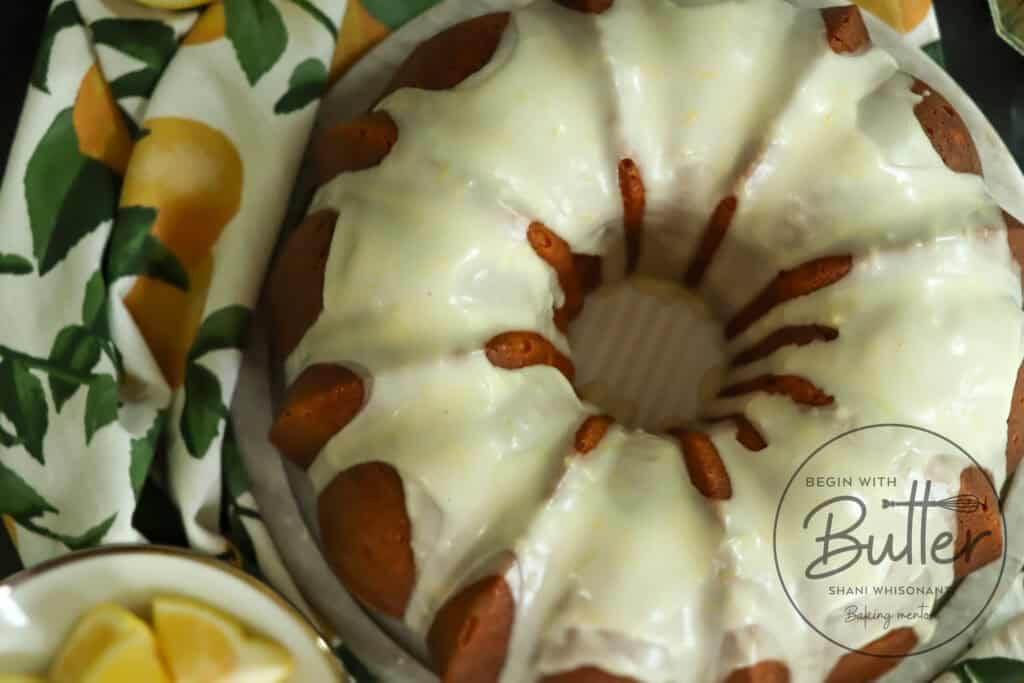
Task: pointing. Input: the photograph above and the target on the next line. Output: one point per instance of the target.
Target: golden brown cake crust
(714, 233)
(588, 6)
(978, 532)
(1015, 420)
(590, 433)
(367, 536)
(704, 464)
(318, 404)
(793, 335)
(354, 145)
(798, 389)
(946, 130)
(768, 671)
(470, 634)
(634, 198)
(845, 29)
(452, 56)
(587, 674)
(789, 284)
(746, 433)
(515, 350)
(556, 253)
(296, 285)
(874, 659)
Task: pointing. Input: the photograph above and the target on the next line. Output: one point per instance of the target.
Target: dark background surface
(988, 69)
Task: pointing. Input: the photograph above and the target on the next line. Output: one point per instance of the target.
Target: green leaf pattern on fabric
(62, 16)
(135, 84)
(101, 405)
(134, 251)
(18, 499)
(934, 50)
(8, 440)
(87, 540)
(989, 670)
(75, 348)
(258, 34)
(204, 409)
(68, 194)
(12, 264)
(306, 85)
(94, 303)
(225, 328)
(151, 42)
(143, 450)
(236, 479)
(23, 402)
(393, 13)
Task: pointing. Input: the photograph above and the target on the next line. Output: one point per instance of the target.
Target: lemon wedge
(202, 645)
(101, 630)
(262, 662)
(173, 4)
(132, 660)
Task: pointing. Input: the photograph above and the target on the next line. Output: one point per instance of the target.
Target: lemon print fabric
(141, 202)
(210, 26)
(191, 176)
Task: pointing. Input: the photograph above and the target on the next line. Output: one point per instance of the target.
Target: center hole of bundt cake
(648, 352)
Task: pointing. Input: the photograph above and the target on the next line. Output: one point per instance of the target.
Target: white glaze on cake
(620, 563)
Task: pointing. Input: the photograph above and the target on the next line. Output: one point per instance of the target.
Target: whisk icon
(963, 503)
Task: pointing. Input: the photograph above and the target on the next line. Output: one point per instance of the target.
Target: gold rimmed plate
(40, 606)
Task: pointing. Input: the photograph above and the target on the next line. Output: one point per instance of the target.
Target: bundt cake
(829, 209)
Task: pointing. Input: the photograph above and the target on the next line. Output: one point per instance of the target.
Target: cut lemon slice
(173, 4)
(262, 662)
(130, 661)
(101, 629)
(202, 645)
(198, 643)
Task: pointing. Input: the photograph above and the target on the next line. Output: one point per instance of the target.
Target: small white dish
(40, 606)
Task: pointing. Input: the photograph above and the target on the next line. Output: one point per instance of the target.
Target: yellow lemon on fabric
(191, 174)
(12, 528)
(360, 31)
(902, 15)
(168, 317)
(108, 645)
(99, 124)
(202, 645)
(173, 4)
(210, 26)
